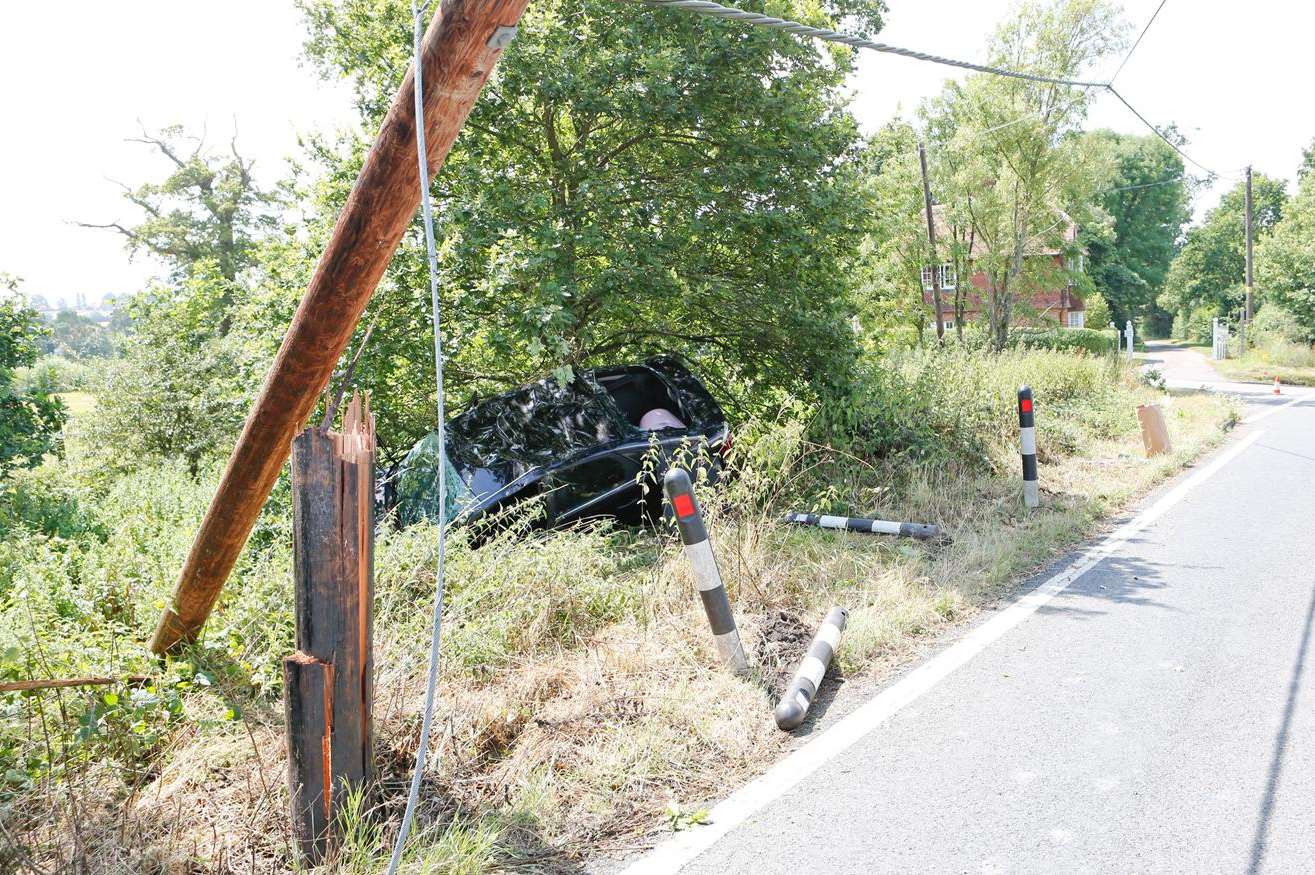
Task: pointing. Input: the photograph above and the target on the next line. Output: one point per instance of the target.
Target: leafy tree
(78, 337)
(30, 421)
(180, 391)
(1147, 197)
(630, 180)
(1018, 170)
(1208, 271)
(208, 209)
(888, 286)
(1285, 259)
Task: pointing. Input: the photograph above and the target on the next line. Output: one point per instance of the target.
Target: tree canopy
(30, 421)
(1012, 162)
(1147, 198)
(630, 180)
(1285, 259)
(1208, 271)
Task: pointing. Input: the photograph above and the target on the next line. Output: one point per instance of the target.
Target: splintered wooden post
(329, 681)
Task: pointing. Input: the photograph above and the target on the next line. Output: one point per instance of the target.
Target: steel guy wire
(427, 213)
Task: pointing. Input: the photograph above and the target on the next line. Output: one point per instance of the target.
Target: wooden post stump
(329, 681)
(1154, 432)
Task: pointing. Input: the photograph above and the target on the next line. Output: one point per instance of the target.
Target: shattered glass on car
(581, 443)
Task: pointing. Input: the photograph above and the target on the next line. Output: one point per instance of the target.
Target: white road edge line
(671, 855)
(1256, 417)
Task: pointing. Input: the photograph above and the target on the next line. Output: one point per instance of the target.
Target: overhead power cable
(1172, 145)
(1128, 56)
(716, 10)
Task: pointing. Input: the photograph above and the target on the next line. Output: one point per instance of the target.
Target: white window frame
(944, 272)
(1077, 319)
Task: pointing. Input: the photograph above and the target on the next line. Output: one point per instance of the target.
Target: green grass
(580, 699)
(78, 403)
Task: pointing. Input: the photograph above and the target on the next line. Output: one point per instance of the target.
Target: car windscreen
(537, 425)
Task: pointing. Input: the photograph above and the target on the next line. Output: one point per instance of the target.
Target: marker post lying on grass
(798, 698)
(1027, 432)
(694, 537)
(860, 524)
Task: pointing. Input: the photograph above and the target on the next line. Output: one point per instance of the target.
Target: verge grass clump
(580, 700)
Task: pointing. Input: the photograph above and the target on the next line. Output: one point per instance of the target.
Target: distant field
(78, 403)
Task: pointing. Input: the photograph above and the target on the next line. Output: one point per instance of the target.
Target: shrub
(1094, 341)
(1275, 323)
(1200, 325)
(1098, 310)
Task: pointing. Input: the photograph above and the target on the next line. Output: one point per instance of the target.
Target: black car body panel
(580, 445)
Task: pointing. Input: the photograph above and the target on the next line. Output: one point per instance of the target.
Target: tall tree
(30, 421)
(208, 209)
(1013, 145)
(1208, 271)
(1285, 259)
(630, 180)
(1147, 196)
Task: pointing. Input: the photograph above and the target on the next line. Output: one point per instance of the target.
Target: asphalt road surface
(1157, 715)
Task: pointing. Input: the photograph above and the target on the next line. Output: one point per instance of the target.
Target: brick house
(1058, 304)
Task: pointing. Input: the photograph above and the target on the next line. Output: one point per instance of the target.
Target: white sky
(78, 75)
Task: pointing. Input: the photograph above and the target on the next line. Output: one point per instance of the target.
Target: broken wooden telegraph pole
(329, 681)
(459, 50)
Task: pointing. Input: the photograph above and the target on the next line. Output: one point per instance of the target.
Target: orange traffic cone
(1276, 391)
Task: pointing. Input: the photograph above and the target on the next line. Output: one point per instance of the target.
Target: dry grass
(580, 705)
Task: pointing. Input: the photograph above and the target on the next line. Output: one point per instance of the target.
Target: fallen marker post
(698, 549)
(1027, 436)
(798, 698)
(861, 524)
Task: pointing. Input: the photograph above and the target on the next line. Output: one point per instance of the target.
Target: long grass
(580, 703)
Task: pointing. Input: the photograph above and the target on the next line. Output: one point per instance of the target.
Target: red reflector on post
(684, 506)
(1026, 405)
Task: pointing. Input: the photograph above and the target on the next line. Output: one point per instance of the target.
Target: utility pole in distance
(931, 240)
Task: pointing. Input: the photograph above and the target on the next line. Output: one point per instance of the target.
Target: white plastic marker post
(1129, 333)
(1027, 434)
(790, 772)
(694, 537)
(860, 524)
(798, 698)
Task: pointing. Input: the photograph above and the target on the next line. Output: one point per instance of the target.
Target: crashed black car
(581, 445)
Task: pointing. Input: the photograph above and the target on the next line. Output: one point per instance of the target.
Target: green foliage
(1090, 340)
(1208, 271)
(54, 373)
(78, 337)
(958, 405)
(1147, 198)
(30, 418)
(208, 209)
(1285, 260)
(625, 184)
(1014, 166)
(1198, 327)
(181, 389)
(1098, 310)
(1275, 323)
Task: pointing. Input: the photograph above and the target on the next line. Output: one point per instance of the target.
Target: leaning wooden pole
(460, 48)
(329, 682)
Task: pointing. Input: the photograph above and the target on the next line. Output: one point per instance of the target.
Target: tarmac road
(1156, 715)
